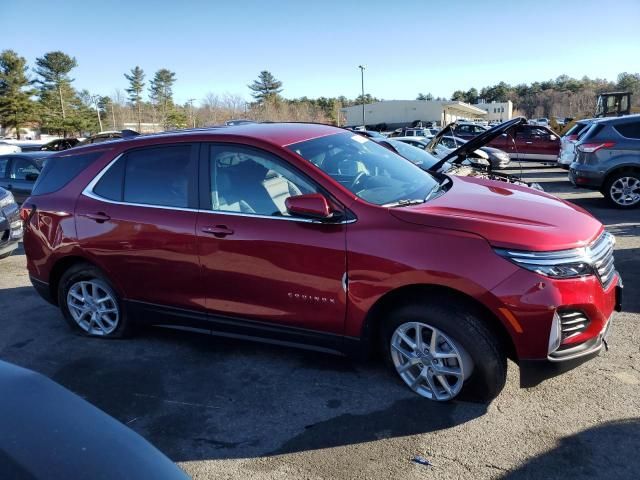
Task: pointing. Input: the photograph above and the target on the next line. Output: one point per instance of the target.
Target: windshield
(414, 154)
(368, 170)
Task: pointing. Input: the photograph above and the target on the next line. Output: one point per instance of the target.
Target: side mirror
(312, 205)
(553, 138)
(31, 177)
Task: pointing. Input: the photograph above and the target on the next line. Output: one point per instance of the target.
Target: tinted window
(629, 130)
(58, 171)
(3, 167)
(249, 181)
(576, 129)
(21, 169)
(111, 184)
(160, 176)
(591, 131)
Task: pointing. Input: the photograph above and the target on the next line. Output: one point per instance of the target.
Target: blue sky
(315, 47)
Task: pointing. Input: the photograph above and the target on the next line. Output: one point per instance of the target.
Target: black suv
(608, 159)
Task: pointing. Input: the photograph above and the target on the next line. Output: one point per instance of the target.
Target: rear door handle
(219, 231)
(99, 217)
(529, 143)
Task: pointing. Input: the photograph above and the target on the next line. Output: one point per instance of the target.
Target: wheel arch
(64, 264)
(430, 293)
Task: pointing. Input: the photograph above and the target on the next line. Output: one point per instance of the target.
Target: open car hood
(464, 150)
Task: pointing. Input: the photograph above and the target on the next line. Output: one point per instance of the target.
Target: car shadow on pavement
(606, 451)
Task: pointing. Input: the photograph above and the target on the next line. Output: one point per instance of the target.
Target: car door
(4, 177)
(259, 262)
(137, 221)
(23, 173)
(536, 143)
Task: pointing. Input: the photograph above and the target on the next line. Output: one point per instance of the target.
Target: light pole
(96, 100)
(193, 117)
(362, 67)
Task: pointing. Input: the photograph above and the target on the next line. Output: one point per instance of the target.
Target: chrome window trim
(88, 192)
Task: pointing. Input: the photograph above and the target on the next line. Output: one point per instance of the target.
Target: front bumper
(529, 316)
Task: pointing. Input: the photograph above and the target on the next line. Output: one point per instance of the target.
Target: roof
(280, 134)
(36, 154)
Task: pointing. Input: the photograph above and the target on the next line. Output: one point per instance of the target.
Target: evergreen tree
(266, 87)
(16, 106)
(136, 85)
(161, 93)
(56, 94)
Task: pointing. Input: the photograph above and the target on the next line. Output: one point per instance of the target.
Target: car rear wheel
(90, 304)
(444, 352)
(623, 189)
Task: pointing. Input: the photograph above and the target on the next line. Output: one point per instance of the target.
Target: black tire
(466, 329)
(606, 190)
(87, 272)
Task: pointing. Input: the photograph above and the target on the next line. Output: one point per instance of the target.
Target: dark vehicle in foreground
(312, 235)
(49, 433)
(59, 144)
(608, 160)
(10, 224)
(19, 172)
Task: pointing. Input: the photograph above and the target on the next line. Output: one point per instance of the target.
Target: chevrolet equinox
(313, 235)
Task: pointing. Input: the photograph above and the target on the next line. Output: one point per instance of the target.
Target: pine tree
(266, 87)
(56, 94)
(161, 93)
(136, 85)
(16, 106)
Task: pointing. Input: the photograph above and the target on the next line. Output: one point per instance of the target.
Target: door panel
(150, 253)
(280, 271)
(258, 262)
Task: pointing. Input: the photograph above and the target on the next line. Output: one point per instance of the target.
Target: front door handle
(529, 143)
(99, 217)
(218, 231)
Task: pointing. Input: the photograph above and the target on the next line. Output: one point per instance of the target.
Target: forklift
(613, 104)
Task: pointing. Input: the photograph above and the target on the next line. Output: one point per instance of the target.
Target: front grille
(572, 323)
(601, 253)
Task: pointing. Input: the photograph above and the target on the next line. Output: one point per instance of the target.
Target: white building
(401, 113)
(500, 111)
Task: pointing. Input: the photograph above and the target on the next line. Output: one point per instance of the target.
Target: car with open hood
(312, 235)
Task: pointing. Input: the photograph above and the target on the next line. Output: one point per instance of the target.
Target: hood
(475, 143)
(506, 215)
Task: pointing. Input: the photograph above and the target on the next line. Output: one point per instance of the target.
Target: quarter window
(245, 180)
(629, 130)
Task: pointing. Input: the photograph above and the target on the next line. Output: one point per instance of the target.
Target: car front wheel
(444, 352)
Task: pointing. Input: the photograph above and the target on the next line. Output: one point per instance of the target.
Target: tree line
(44, 96)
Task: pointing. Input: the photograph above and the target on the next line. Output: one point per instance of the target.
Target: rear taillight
(26, 212)
(594, 147)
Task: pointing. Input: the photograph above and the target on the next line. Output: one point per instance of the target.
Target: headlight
(557, 264)
(7, 200)
(502, 156)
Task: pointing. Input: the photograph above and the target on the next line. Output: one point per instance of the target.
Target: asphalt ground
(225, 408)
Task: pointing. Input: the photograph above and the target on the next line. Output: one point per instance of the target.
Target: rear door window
(60, 170)
(629, 130)
(162, 176)
(4, 162)
(23, 169)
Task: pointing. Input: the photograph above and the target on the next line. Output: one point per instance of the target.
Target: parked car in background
(530, 142)
(335, 241)
(608, 159)
(59, 144)
(568, 142)
(446, 146)
(9, 148)
(48, 432)
(369, 133)
(10, 224)
(497, 158)
(541, 122)
(106, 136)
(466, 130)
(19, 172)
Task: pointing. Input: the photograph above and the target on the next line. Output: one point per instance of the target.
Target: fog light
(555, 335)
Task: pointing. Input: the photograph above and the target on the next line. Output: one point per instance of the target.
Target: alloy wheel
(625, 191)
(93, 307)
(429, 362)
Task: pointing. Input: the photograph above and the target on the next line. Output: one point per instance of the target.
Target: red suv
(313, 235)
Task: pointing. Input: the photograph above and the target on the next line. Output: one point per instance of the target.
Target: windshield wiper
(404, 202)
